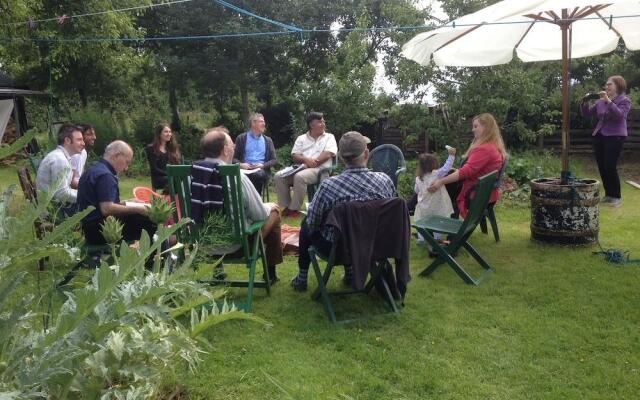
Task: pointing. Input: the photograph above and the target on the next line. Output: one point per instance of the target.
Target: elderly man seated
(218, 149)
(355, 183)
(55, 171)
(313, 149)
(98, 187)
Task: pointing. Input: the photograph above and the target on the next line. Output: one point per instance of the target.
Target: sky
(382, 84)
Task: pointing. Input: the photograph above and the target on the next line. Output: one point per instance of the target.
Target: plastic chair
(489, 212)
(144, 194)
(324, 173)
(459, 233)
(389, 159)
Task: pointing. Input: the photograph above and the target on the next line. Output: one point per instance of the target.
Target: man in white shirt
(79, 160)
(55, 174)
(314, 149)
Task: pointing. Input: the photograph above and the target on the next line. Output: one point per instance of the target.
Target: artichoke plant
(112, 230)
(160, 210)
(112, 233)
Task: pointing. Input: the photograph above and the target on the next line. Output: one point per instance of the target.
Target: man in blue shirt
(98, 187)
(255, 152)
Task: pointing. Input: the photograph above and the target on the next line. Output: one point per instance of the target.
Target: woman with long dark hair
(162, 151)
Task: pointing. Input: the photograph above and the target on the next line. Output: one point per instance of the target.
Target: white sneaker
(606, 199)
(615, 202)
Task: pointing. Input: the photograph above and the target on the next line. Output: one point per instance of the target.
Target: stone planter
(565, 214)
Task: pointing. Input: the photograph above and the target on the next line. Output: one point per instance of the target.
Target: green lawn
(550, 323)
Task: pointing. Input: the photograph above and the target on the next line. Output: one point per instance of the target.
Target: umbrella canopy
(535, 30)
(531, 29)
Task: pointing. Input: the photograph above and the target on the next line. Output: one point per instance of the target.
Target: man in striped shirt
(355, 183)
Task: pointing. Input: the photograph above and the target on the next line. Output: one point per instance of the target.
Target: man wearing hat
(355, 183)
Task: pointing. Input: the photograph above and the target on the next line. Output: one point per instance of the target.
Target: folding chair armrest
(323, 170)
(255, 227)
(400, 171)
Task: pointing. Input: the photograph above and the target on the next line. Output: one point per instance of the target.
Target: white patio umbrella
(536, 31)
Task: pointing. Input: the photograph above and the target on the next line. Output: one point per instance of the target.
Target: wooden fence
(580, 139)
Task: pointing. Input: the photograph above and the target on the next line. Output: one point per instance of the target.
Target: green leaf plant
(115, 336)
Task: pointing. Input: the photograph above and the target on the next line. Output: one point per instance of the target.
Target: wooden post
(564, 26)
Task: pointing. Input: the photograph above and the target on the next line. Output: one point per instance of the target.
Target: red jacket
(482, 160)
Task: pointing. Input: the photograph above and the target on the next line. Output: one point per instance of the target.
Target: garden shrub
(115, 336)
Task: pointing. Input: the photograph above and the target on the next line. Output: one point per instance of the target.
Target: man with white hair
(98, 187)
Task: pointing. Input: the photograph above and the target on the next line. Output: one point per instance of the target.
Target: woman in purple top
(610, 133)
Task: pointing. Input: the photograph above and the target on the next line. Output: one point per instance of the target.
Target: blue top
(97, 184)
(255, 150)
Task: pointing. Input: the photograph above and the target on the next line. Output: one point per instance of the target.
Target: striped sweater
(206, 190)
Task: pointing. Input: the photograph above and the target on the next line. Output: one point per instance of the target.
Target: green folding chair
(248, 238)
(458, 233)
(380, 273)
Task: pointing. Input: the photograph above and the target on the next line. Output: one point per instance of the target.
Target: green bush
(283, 156)
(525, 166)
(108, 126)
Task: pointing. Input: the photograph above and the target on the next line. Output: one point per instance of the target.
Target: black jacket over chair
(371, 231)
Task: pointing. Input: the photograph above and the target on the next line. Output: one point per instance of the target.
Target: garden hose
(616, 256)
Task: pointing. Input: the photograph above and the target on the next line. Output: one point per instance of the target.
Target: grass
(550, 323)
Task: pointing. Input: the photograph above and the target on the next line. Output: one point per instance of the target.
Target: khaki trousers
(299, 183)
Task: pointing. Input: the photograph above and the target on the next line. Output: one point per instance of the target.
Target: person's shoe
(615, 202)
(606, 199)
(298, 285)
(272, 275)
(274, 278)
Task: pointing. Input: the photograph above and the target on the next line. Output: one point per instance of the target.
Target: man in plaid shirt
(355, 183)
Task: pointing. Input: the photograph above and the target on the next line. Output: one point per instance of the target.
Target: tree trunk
(244, 95)
(176, 124)
(83, 97)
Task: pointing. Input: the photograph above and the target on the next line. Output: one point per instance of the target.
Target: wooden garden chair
(248, 238)
(179, 185)
(459, 233)
(380, 271)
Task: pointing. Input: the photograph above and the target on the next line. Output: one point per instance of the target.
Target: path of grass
(550, 323)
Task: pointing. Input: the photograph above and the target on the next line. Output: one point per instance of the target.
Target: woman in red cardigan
(485, 155)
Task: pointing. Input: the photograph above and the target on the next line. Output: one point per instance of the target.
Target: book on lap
(291, 170)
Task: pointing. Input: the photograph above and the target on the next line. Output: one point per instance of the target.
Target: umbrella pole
(565, 174)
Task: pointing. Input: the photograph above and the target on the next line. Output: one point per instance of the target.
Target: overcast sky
(382, 84)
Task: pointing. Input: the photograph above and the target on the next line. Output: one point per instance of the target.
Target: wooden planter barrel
(565, 214)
